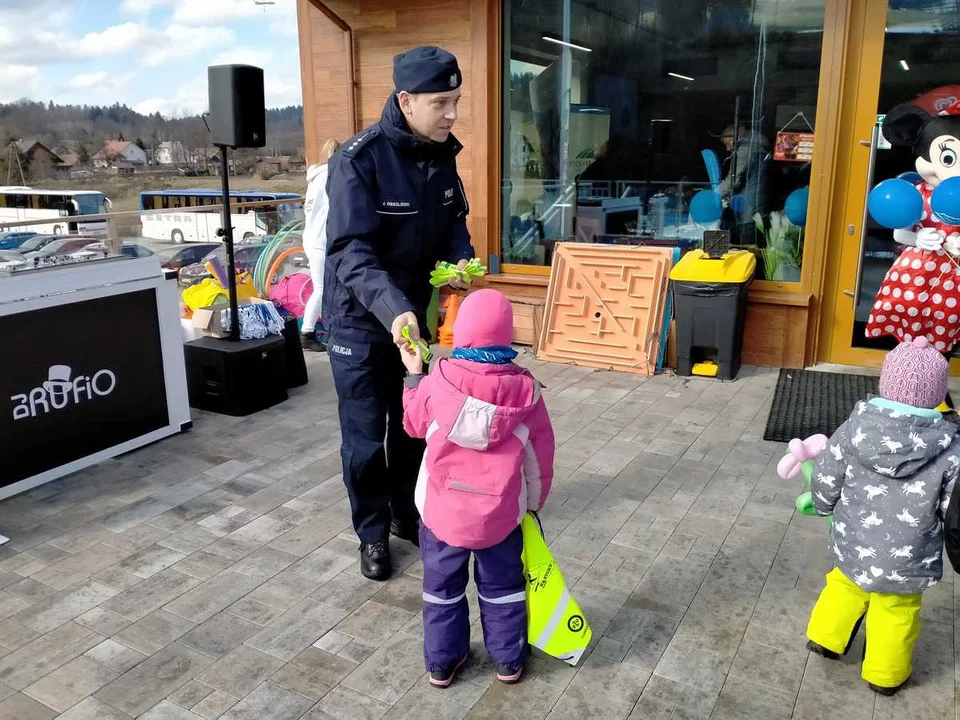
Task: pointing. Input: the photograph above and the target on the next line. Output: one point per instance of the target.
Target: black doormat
(808, 402)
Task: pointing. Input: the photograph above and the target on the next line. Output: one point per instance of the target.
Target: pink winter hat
(915, 373)
(485, 318)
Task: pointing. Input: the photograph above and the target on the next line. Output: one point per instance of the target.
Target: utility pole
(14, 152)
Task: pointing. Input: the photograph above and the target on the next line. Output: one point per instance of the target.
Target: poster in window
(794, 147)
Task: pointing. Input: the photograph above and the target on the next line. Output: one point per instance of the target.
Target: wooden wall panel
(775, 335)
(382, 29)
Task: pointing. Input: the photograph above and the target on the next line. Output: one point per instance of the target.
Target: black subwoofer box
(236, 378)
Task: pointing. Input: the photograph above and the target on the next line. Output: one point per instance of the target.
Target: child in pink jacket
(489, 460)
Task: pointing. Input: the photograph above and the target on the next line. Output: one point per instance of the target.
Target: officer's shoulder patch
(355, 144)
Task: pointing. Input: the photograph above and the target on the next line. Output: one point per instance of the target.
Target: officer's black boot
(375, 560)
(409, 531)
(309, 341)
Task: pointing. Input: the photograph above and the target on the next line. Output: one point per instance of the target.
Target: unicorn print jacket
(887, 475)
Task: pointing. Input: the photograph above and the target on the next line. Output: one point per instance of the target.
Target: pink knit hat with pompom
(915, 373)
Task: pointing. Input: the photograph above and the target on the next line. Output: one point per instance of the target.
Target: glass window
(90, 203)
(617, 113)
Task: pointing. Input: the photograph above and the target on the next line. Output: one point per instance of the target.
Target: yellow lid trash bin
(710, 308)
(736, 266)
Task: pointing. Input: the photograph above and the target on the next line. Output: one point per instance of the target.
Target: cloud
(24, 46)
(281, 72)
(31, 44)
(100, 82)
(142, 7)
(281, 80)
(286, 27)
(188, 98)
(86, 81)
(115, 40)
(205, 12)
(244, 55)
(178, 42)
(18, 81)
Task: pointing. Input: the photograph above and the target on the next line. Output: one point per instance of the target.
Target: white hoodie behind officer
(316, 207)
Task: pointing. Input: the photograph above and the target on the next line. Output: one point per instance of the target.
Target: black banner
(76, 379)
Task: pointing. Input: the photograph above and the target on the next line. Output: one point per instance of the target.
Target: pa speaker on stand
(238, 116)
(235, 377)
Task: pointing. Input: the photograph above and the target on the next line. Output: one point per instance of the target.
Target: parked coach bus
(202, 226)
(22, 204)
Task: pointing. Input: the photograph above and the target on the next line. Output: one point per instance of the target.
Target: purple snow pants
(498, 571)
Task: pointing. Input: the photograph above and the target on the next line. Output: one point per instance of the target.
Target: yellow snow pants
(893, 626)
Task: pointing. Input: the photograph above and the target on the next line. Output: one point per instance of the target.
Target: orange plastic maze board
(605, 306)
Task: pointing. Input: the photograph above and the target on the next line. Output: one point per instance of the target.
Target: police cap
(426, 69)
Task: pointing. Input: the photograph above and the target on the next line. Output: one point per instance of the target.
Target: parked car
(127, 249)
(244, 257)
(10, 260)
(65, 245)
(37, 242)
(14, 239)
(179, 257)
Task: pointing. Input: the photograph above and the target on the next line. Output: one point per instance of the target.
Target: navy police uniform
(397, 207)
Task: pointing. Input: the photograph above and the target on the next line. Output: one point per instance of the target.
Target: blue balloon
(705, 207)
(795, 208)
(945, 201)
(896, 204)
(911, 177)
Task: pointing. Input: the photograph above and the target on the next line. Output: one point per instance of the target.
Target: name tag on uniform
(396, 206)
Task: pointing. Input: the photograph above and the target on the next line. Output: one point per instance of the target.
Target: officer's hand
(460, 284)
(412, 359)
(407, 319)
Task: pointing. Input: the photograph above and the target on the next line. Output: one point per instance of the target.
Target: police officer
(397, 207)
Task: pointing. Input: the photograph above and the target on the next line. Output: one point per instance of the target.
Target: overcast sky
(151, 55)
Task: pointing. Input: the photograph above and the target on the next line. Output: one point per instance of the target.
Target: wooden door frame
(857, 110)
(857, 113)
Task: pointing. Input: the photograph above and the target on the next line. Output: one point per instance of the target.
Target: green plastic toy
(425, 352)
(446, 272)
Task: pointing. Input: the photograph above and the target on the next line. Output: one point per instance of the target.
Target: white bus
(179, 227)
(23, 204)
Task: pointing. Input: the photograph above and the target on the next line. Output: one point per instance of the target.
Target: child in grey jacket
(886, 476)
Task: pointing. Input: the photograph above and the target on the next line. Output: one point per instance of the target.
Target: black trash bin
(710, 308)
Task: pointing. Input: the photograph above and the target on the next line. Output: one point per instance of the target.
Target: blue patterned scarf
(491, 355)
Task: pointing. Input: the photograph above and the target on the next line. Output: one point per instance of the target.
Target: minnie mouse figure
(920, 296)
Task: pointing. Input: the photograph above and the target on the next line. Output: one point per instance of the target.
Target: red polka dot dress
(920, 295)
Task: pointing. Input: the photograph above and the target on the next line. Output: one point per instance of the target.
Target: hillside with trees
(82, 129)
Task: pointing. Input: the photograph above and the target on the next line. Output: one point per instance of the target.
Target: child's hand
(412, 358)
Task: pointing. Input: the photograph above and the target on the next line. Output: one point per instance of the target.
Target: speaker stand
(227, 231)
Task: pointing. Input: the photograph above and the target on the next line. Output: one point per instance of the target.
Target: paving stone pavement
(215, 574)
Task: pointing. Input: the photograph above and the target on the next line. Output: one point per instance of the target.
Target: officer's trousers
(893, 626)
(380, 461)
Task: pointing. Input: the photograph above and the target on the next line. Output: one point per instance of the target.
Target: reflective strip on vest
(559, 610)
